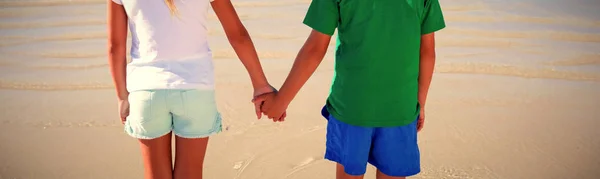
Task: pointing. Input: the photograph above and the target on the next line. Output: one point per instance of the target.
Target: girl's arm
(117, 43)
(242, 44)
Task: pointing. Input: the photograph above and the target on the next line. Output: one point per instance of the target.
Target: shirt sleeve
(433, 19)
(323, 16)
(118, 2)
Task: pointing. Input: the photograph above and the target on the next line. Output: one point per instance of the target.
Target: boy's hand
(260, 91)
(272, 106)
(123, 110)
(421, 120)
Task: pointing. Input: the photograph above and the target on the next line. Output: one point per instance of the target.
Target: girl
(168, 86)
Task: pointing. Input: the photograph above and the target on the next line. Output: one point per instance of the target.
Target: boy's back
(384, 64)
(377, 57)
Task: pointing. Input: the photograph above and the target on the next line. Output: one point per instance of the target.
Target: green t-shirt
(377, 56)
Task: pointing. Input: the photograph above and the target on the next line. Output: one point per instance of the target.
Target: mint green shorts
(188, 113)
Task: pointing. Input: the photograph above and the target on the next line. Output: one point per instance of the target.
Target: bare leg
(189, 157)
(156, 154)
(384, 176)
(341, 174)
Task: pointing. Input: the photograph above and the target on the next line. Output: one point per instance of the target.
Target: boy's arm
(426, 66)
(310, 56)
(307, 61)
(117, 44)
(241, 42)
(433, 21)
(323, 17)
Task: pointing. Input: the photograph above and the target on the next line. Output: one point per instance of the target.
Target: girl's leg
(156, 154)
(189, 157)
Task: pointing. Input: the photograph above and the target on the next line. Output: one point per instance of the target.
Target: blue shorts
(392, 150)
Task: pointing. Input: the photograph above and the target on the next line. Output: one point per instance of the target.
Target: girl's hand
(123, 110)
(260, 91)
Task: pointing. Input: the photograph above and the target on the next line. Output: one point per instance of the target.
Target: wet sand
(515, 95)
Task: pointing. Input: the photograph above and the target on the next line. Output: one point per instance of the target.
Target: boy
(384, 64)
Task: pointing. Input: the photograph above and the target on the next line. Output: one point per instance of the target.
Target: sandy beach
(516, 95)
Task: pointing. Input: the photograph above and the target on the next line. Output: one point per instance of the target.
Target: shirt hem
(321, 30)
(432, 30)
(390, 123)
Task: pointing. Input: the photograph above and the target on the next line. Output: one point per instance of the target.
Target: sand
(515, 95)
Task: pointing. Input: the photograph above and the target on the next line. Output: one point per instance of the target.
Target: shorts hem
(333, 159)
(215, 130)
(338, 161)
(398, 174)
(146, 137)
(196, 136)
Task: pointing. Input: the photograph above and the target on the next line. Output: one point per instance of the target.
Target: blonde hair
(171, 5)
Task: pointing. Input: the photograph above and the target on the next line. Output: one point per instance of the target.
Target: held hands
(273, 106)
(267, 102)
(260, 91)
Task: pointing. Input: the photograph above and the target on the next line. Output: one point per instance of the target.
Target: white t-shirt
(168, 51)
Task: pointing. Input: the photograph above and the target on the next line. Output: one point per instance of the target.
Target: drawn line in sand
(303, 165)
(243, 167)
(246, 164)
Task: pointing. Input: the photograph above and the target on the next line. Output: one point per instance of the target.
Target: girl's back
(168, 50)
(169, 83)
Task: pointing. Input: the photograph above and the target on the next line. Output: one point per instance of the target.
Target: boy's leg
(349, 147)
(381, 175)
(395, 152)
